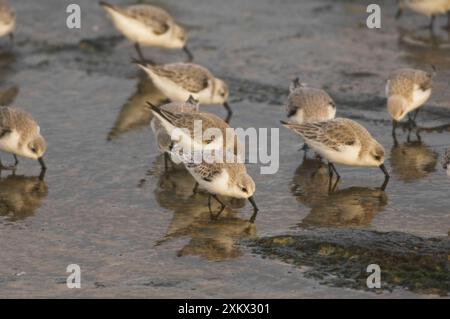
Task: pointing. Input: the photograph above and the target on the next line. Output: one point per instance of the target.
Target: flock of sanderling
(310, 111)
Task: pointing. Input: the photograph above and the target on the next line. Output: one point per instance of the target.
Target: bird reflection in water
(350, 207)
(134, 114)
(209, 238)
(21, 196)
(411, 161)
(311, 182)
(422, 44)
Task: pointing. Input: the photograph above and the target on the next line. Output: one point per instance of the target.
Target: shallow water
(106, 203)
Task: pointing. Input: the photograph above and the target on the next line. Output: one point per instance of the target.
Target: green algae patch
(339, 258)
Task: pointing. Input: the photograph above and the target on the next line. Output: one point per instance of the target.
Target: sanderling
(147, 25)
(306, 104)
(20, 135)
(342, 141)
(429, 8)
(188, 124)
(7, 20)
(178, 81)
(220, 177)
(407, 90)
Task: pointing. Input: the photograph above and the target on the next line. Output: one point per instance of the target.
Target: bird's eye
(244, 189)
(34, 150)
(377, 157)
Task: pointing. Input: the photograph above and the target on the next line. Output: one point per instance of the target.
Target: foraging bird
(429, 8)
(219, 176)
(342, 141)
(147, 25)
(406, 91)
(7, 20)
(20, 135)
(306, 105)
(178, 81)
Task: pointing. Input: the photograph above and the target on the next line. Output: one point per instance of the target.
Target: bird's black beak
(255, 209)
(229, 112)
(398, 14)
(189, 54)
(386, 178)
(41, 161)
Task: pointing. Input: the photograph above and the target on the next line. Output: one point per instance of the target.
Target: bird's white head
(373, 155)
(396, 106)
(35, 148)
(179, 37)
(221, 92)
(244, 186)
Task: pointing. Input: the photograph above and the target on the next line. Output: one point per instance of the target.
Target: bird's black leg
(330, 180)
(16, 160)
(195, 190)
(334, 170)
(42, 174)
(304, 148)
(41, 161)
(11, 40)
(394, 127)
(419, 138)
(431, 26)
(222, 206)
(229, 112)
(415, 115)
(139, 52)
(255, 209)
(331, 170)
(386, 177)
(7, 168)
(209, 204)
(141, 56)
(189, 54)
(166, 162)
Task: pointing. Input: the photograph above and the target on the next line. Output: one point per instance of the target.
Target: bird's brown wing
(155, 18)
(331, 134)
(190, 77)
(424, 79)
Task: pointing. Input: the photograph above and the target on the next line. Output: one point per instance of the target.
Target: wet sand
(106, 204)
